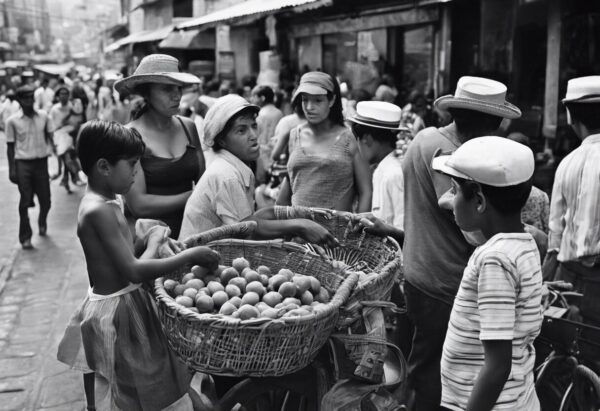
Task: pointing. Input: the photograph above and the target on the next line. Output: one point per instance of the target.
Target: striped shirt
(574, 207)
(499, 299)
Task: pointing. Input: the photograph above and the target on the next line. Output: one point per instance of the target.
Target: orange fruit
(251, 275)
(292, 300)
(240, 263)
(220, 298)
(323, 296)
(227, 274)
(262, 306)
(190, 292)
(264, 279)
(179, 289)
(232, 290)
(239, 282)
(187, 277)
(287, 289)
(185, 301)
(257, 287)
(237, 301)
(302, 282)
(227, 308)
(272, 298)
(248, 311)
(250, 298)
(215, 286)
(170, 285)
(315, 285)
(276, 281)
(204, 303)
(263, 269)
(195, 283)
(271, 313)
(286, 273)
(199, 272)
(306, 298)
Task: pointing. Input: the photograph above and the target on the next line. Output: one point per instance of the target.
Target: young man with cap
(574, 237)
(376, 125)
(435, 249)
(225, 193)
(29, 143)
(488, 355)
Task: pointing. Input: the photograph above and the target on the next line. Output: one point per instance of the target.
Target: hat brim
(179, 79)
(506, 110)
(582, 99)
(439, 164)
(310, 89)
(357, 121)
(209, 138)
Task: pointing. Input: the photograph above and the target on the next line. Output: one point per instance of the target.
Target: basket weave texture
(360, 250)
(223, 345)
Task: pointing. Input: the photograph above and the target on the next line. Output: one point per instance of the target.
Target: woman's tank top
(321, 178)
(169, 176)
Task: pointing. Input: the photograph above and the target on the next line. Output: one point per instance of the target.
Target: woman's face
(164, 98)
(316, 107)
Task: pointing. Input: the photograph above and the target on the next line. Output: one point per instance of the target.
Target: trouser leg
(42, 190)
(25, 183)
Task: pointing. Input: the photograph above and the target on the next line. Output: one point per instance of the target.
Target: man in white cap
(435, 250)
(574, 237)
(225, 193)
(488, 355)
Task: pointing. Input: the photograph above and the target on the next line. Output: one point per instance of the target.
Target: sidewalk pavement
(41, 289)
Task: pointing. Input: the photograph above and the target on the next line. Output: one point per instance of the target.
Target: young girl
(325, 167)
(115, 333)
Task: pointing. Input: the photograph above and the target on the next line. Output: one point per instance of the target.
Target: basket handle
(345, 289)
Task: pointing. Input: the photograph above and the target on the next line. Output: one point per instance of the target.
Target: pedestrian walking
(173, 160)
(435, 249)
(574, 238)
(115, 333)
(267, 119)
(29, 143)
(488, 355)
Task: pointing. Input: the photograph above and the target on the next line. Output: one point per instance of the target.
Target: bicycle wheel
(553, 379)
(583, 394)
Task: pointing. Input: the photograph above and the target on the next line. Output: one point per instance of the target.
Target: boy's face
(122, 174)
(242, 139)
(366, 148)
(466, 211)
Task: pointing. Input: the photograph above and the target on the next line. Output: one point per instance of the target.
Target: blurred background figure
(266, 121)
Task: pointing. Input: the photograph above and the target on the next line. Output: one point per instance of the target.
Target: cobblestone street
(39, 289)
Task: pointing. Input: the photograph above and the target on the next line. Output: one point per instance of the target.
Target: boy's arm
(493, 375)
(104, 223)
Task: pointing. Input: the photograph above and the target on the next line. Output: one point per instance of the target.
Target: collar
(593, 138)
(449, 132)
(239, 165)
(22, 114)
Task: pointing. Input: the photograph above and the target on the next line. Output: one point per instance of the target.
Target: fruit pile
(244, 293)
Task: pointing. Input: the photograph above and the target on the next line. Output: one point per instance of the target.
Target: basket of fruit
(266, 312)
(377, 259)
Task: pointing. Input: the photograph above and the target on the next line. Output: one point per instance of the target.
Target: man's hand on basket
(204, 257)
(375, 226)
(317, 234)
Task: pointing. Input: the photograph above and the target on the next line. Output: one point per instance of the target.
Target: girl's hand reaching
(204, 257)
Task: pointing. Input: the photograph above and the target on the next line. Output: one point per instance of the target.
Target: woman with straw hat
(173, 160)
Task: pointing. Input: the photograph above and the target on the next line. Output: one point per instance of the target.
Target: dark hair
(297, 106)
(382, 135)
(109, 140)
(250, 112)
(507, 200)
(336, 114)
(140, 108)
(586, 113)
(473, 123)
(266, 92)
(360, 94)
(61, 88)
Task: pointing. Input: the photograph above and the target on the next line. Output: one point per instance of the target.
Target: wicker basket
(222, 345)
(361, 251)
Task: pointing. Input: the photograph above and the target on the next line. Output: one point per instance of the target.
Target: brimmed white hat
(480, 94)
(583, 90)
(378, 114)
(156, 68)
(219, 114)
(495, 161)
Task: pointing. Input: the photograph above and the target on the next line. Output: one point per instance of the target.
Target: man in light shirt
(267, 119)
(574, 237)
(376, 125)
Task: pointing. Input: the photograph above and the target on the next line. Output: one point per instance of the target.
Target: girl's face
(123, 174)
(242, 139)
(164, 98)
(316, 107)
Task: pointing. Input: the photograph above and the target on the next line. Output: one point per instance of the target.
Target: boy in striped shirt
(488, 355)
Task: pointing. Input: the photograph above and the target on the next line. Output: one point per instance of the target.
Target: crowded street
(300, 205)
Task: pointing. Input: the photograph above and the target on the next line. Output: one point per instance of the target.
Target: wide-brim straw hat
(480, 94)
(378, 114)
(156, 69)
(583, 90)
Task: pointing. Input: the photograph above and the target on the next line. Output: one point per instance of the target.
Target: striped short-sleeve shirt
(499, 299)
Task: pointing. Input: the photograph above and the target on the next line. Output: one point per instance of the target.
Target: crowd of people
(477, 238)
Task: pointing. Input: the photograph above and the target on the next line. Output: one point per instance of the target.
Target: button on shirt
(574, 207)
(388, 191)
(224, 195)
(29, 135)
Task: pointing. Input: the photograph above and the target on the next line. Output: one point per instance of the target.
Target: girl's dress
(321, 178)
(119, 338)
(169, 176)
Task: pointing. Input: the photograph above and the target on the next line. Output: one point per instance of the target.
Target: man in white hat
(574, 237)
(225, 193)
(376, 125)
(435, 249)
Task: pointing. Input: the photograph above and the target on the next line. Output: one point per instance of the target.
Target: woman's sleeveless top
(321, 178)
(169, 176)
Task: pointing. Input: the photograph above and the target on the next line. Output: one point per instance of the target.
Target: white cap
(494, 161)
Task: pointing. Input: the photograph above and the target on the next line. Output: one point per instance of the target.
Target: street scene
(294, 205)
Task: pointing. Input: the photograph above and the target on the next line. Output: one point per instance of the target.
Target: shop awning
(140, 37)
(189, 40)
(54, 69)
(252, 7)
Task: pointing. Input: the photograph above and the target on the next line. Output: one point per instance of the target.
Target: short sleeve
(497, 294)
(231, 202)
